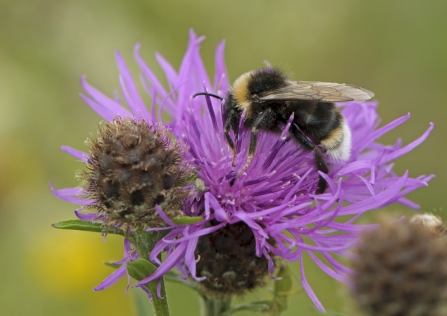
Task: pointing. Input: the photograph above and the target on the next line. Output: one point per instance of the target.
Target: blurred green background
(398, 49)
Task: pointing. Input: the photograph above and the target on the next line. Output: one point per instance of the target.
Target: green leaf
(186, 220)
(140, 269)
(77, 224)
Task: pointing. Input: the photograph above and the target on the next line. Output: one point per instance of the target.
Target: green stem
(212, 306)
(161, 307)
(144, 243)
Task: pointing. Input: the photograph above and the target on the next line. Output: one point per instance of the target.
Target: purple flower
(129, 256)
(275, 196)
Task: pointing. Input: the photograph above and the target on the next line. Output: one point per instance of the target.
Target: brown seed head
(401, 270)
(133, 167)
(228, 261)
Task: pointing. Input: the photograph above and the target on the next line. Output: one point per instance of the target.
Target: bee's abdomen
(325, 125)
(316, 119)
(338, 142)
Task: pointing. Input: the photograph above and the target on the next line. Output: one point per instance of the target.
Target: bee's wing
(322, 91)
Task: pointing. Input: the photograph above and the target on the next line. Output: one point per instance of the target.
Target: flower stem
(213, 306)
(144, 243)
(161, 307)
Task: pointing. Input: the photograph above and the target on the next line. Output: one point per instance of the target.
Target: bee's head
(251, 85)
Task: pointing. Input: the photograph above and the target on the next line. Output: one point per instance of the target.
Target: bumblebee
(269, 98)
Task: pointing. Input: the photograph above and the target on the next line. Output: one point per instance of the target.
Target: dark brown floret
(229, 262)
(133, 167)
(401, 270)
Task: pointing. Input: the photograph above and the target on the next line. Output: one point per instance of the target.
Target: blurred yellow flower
(67, 263)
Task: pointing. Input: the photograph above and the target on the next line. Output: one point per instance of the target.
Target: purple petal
(112, 279)
(76, 153)
(220, 213)
(159, 289)
(167, 265)
(170, 72)
(190, 259)
(250, 223)
(163, 216)
(383, 130)
(202, 232)
(376, 201)
(396, 154)
(324, 267)
(220, 77)
(70, 195)
(146, 290)
(86, 216)
(104, 112)
(101, 99)
(133, 97)
(149, 75)
(308, 289)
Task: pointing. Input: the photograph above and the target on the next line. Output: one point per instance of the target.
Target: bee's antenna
(208, 94)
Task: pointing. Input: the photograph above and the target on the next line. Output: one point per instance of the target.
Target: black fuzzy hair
(266, 79)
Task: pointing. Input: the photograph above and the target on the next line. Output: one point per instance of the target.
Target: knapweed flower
(272, 206)
(400, 269)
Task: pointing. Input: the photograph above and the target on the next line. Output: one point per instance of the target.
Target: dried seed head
(132, 168)
(401, 270)
(229, 262)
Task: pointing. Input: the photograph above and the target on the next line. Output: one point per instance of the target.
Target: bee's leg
(232, 146)
(321, 166)
(318, 157)
(265, 120)
(229, 140)
(251, 149)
